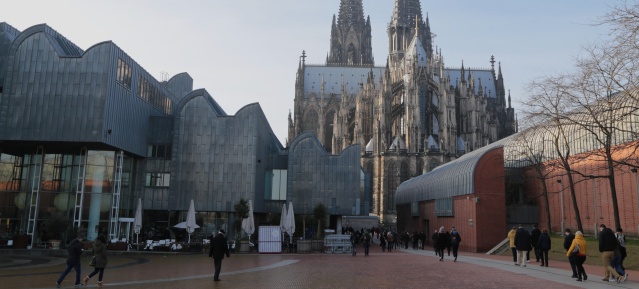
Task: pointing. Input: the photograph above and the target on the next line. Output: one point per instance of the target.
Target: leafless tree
(548, 102)
(603, 94)
(530, 149)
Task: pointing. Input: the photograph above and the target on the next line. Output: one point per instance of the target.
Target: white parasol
(248, 224)
(182, 225)
(290, 221)
(283, 220)
(137, 222)
(190, 220)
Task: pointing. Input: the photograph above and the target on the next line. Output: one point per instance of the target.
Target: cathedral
(410, 115)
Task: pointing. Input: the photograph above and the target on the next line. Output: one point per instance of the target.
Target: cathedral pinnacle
(492, 62)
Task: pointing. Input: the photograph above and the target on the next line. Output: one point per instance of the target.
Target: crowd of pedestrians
(612, 246)
(444, 242)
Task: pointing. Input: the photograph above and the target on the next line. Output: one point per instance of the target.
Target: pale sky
(246, 51)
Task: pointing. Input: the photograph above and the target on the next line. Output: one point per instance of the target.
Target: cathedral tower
(351, 36)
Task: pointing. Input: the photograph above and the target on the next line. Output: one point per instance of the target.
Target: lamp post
(561, 196)
(594, 204)
(634, 170)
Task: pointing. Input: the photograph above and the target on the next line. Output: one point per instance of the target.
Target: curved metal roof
(451, 179)
(582, 128)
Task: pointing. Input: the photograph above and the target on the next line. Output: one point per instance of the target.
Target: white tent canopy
(190, 220)
(290, 221)
(248, 224)
(137, 222)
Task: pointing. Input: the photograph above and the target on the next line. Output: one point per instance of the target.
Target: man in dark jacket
(74, 252)
(568, 237)
(544, 245)
(607, 244)
(522, 243)
(534, 237)
(219, 248)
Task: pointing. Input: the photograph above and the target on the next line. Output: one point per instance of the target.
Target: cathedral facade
(411, 115)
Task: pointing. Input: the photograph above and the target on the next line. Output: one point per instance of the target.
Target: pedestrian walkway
(397, 269)
(559, 275)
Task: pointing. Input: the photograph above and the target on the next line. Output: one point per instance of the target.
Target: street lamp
(634, 170)
(594, 203)
(561, 196)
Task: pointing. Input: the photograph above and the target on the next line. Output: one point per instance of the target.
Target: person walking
(434, 238)
(616, 264)
(366, 241)
(622, 246)
(219, 248)
(99, 252)
(577, 252)
(522, 243)
(74, 251)
(441, 243)
(390, 241)
(568, 238)
(534, 237)
(543, 245)
(353, 240)
(455, 239)
(448, 244)
(607, 244)
(511, 238)
(382, 242)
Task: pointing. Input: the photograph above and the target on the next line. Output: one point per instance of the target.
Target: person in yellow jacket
(511, 237)
(579, 255)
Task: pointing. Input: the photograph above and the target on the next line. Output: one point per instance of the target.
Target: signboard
(270, 240)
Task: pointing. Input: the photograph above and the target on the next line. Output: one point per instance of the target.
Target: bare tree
(529, 148)
(603, 94)
(549, 101)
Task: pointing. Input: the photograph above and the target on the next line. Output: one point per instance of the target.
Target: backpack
(367, 238)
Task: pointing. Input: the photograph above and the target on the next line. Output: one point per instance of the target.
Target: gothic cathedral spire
(351, 36)
(402, 28)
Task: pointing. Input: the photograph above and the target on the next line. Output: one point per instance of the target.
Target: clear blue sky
(246, 51)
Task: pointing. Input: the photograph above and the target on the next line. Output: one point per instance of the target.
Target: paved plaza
(398, 269)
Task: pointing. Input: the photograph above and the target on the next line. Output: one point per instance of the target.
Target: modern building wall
(315, 177)
(78, 124)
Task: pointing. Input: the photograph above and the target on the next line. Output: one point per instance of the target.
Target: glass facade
(65, 191)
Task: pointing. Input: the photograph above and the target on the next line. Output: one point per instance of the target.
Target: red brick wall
(627, 197)
(490, 188)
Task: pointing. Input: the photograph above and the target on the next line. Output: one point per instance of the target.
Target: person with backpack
(390, 241)
(455, 239)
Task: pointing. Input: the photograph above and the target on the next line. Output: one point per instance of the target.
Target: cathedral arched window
(329, 122)
(404, 172)
(311, 122)
(419, 167)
